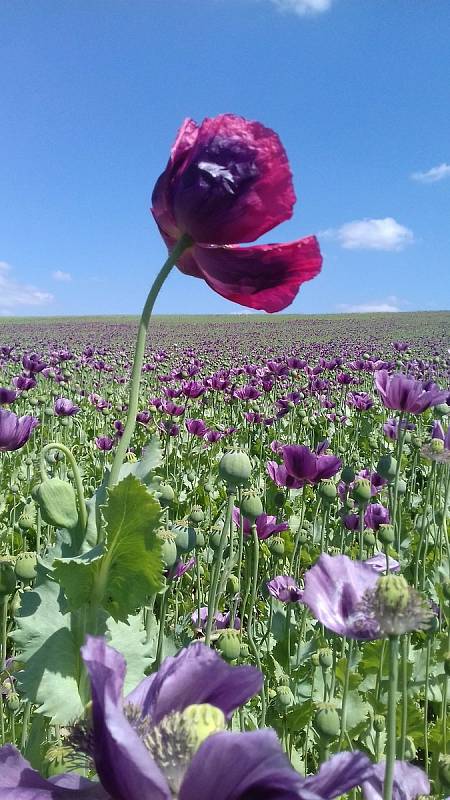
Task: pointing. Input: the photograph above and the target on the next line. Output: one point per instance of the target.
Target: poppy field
(258, 605)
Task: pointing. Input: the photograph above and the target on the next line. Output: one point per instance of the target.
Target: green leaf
(130, 569)
(299, 716)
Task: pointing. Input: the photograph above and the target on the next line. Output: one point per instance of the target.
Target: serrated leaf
(130, 569)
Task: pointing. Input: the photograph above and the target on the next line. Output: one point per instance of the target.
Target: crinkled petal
(19, 781)
(123, 764)
(228, 182)
(334, 587)
(230, 766)
(197, 675)
(266, 277)
(339, 775)
(409, 782)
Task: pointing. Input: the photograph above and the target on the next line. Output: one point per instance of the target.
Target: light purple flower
(375, 515)
(378, 562)
(285, 588)
(65, 408)
(401, 393)
(409, 782)
(15, 431)
(266, 525)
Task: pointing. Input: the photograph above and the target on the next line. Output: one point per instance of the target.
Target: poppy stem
(391, 719)
(183, 243)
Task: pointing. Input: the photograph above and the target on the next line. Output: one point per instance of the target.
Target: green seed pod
(168, 547)
(284, 698)
(251, 506)
(327, 491)
(387, 467)
(190, 475)
(369, 538)
(185, 536)
(386, 534)
(13, 702)
(394, 592)
(232, 585)
(215, 537)
(325, 657)
(303, 536)
(57, 502)
(235, 468)
(27, 518)
(165, 494)
(208, 487)
(379, 723)
(197, 515)
(26, 566)
(244, 652)
(229, 644)
(348, 474)
(199, 539)
(284, 680)
(442, 410)
(361, 493)
(326, 721)
(7, 579)
(276, 546)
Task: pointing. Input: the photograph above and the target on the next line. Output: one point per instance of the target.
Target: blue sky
(93, 92)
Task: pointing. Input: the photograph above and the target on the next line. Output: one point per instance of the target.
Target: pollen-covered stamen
(396, 607)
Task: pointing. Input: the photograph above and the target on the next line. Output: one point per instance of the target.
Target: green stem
(183, 243)
(391, 718)
(162, 620)
(404, 721)
(212, 599)
(345, 693)
(252, 645)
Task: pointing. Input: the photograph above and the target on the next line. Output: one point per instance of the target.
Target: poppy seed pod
(326, 721)
(25, 566)
(327, 491)
(165, 495)
(387, 467)
(325, 657)
(369, 538)
(185, 536)
(168, 548)
(276, 546)
(379, 723)
(251, 506)
(386, 534)
(235, 468)
(284, 697)
(362, 492)
(229, 644)
(232, 584)
(197, 515)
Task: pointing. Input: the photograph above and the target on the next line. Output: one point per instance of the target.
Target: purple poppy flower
(212, 436)
(376, 515)
(180, 569)
(7, 396)
(309, 467)
(221, 620)
(228, 181)
(401, 393)
(334, 589)
(437, 431)
(279, 474)
(143, 417)
(360, 401)
(285, 588)
(378, 563)
(15, 431)
(172, 409)
(266, 525)
(32, 363)
(247, 392)
(409, 782)
(391, 427)
(104, 443)
(196, 427)
(65, 408)
(24, 382)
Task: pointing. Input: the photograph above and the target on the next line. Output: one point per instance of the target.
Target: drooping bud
(57, 502)
(235, 469)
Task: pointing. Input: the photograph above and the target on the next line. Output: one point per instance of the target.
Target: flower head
(65, 408)
(400, 393)
(15, 431)
(228, 181)
(409, 782)
(285, 588)
(266, 525)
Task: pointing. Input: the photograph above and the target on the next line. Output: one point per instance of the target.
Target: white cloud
(433, 175)
(59, 275)
(387, 306)
(14, 294)
(371, 234)
(303, 7)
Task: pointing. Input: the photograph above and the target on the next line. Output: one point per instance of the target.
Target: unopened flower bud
(235, 468)
(284, 697)
(229, 644)
(326, 721)
(361, 491)
(251, 506)
(387, 467)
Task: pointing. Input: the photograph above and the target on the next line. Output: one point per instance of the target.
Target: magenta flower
(228, 181)
(221, 619)
(400, 393)
(309, 467)
(266, 525)
(279, 474)
(15, 431)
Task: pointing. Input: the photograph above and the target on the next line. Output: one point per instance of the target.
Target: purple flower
(376, 515)
(378, 563)
(15, 431)
(104, 443)
(266, 525)
(309, 467)
(7, 396)
(409, 782)
(279, 474)
(24, 382)
(32, 363)
(180, 568)
(285, 588)
(401, 393)
(196, 427)
(221, 619)
(334, 589)
(65, 408)
(360, 401)
(143, 417)
(391, 427)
